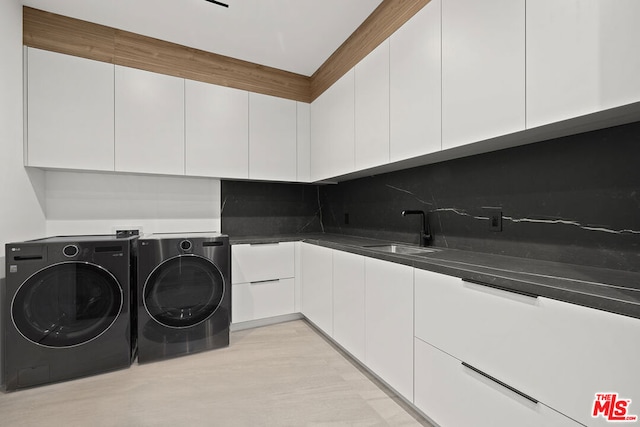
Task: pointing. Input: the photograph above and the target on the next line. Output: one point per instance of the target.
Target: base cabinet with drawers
(558, 353)
(453, 393)
(464, 353)
(263, 281)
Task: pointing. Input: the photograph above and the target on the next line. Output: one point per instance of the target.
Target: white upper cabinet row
(463, 71)
(458, 72)
(84, 114)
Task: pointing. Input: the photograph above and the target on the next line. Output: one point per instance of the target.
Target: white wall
(21, 213)
(98, 203)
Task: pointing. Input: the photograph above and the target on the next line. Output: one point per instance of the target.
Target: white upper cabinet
(333, 130)
(69, 112)
(304, 141)
(372, 108)
(483, 70)
(582, 57)
(416, 85)
(272, 138)
(217, 131)
(149, 122)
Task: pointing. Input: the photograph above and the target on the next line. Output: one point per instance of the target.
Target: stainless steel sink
(401, 249)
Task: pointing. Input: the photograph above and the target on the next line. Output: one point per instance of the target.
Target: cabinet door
(584, 352)
(372, 108)
(553, 351)
(581, 57)
(332, 130)
(304, 141)
(416, 85)
(454, 395)
(217, 131)
(257, 262)
(260, 300)
(348, 302)
(69, 112)
(489, 328)
(272, 138)
(317, 286)
(149, 123)
(389, 323)
(483, 70)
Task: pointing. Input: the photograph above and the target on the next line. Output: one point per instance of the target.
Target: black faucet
(425, 233)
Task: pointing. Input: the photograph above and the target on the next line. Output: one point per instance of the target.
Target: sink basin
(401, 249)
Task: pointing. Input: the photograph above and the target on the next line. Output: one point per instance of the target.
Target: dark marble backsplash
(263, 208)
(574, 200)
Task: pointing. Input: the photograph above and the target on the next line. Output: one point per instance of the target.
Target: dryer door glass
(183, 291)
(67, 304)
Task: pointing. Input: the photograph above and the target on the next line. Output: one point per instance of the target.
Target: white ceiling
(292, 35)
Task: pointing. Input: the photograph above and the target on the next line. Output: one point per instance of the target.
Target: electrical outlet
(346, 218)
(495, 218)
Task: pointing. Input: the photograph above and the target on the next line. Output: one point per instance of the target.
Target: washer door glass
(67, 304)
(183, 291)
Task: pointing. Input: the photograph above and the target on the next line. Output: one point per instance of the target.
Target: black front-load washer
(184, 294)
(67, 308)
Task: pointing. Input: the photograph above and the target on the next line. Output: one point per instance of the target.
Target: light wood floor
(279, 375)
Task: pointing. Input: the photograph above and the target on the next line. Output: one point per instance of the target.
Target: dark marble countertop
(615, 291)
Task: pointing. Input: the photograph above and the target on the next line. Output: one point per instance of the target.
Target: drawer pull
(501, 288)
(257, 282)
(497, 381)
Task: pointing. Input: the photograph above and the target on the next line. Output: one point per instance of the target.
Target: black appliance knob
(185, 245)
(70, 251)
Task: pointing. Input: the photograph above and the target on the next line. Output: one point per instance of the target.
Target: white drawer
(560, 353)
(252, 263)
(259, 300)
(483, 326)
(452, 395)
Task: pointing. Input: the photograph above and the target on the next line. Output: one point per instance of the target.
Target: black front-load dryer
(67, 308)
(184, 294)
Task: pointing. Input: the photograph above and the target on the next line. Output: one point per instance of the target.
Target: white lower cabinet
(266, 261)
(263, 299)
(317, 286)
(389, 323)
(561, 354)
(263, 281)
(348, 302)
(452, 395)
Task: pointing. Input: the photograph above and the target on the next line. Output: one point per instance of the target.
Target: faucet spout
(425, 232)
